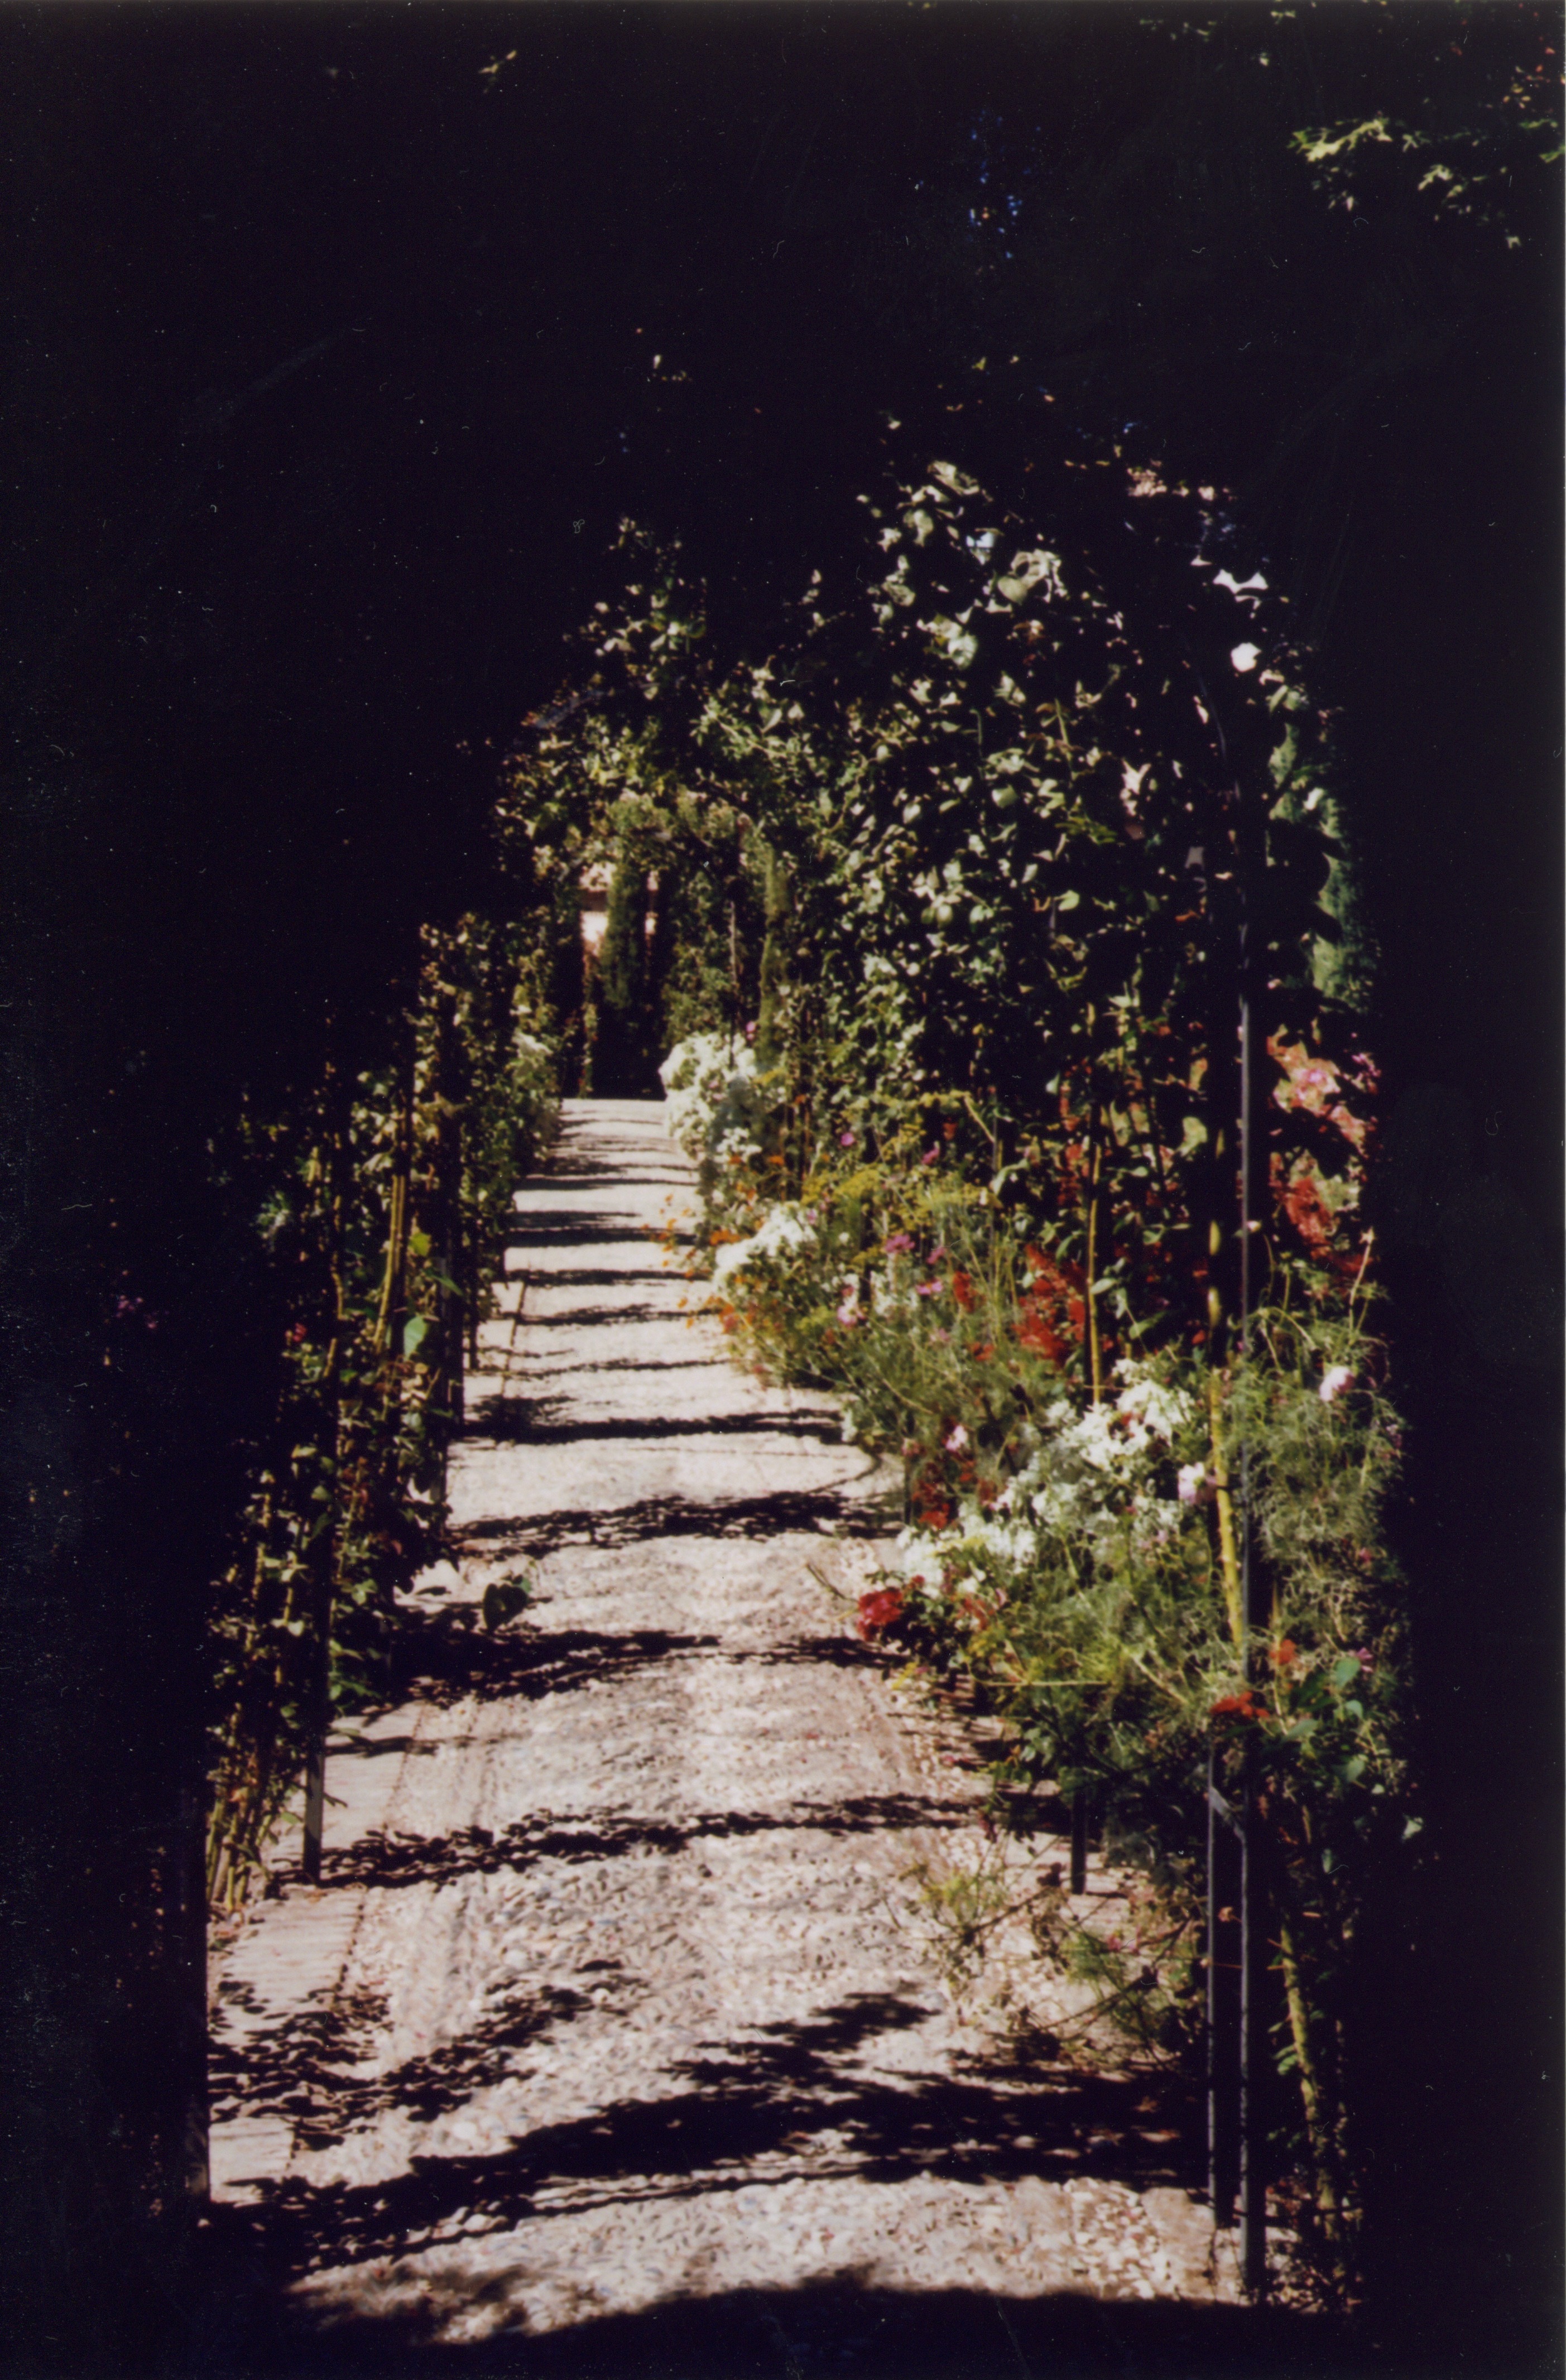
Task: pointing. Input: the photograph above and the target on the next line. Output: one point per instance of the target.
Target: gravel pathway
(611, 2005)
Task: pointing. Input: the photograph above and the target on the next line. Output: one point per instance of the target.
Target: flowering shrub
(1013, 795)
(1074, 1559)
(708, 1087)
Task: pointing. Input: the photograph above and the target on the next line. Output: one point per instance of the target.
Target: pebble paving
(612, 1999)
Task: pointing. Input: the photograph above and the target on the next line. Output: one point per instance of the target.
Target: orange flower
(1245, 1705)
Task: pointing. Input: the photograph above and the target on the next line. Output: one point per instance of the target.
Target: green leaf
(416, 1330)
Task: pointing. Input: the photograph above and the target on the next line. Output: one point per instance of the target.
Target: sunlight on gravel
(613, 1994)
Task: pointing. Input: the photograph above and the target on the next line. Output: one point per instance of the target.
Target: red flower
(1035, 1332)
(1245, 1705)
(878, 1610)
(962, 1290)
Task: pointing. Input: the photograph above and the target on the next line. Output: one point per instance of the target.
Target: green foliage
(1478, 153)
(1020, 803)
(382, 1204)
(1067, 1556)
(622, 1062)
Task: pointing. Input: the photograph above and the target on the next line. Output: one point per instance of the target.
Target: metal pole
(1252, 2131)
(315, 1766)
(1216, 2194)
(1225, 1889)
(1079, 1844)
(1253, 1914)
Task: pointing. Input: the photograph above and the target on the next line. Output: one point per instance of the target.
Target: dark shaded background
(331, 373)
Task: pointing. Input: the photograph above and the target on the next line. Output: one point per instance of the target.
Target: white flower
(1245, 657)
(1094, 1438)
(1146, 1400)
(1193, 1480)
(957, 1440)
(785, 1231)
(706, 1086)
(1334, 1380)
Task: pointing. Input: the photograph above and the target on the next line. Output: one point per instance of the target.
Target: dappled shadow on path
(384, 1861)
(520, 1421)
(566, 1227)
(446, 1655)
(581, 1317)
(303, 2065)
(598, 1276)
(799, 1512)
(781, 2100)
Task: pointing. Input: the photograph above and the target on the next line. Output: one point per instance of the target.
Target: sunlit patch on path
(609, 2004)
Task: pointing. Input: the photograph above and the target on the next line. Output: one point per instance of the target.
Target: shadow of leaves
(381, 1861)
(802, 1511)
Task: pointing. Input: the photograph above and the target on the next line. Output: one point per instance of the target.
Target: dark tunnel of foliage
(342, 341)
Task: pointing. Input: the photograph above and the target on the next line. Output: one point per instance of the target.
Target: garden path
(609, 2016)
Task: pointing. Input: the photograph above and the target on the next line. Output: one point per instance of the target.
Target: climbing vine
(381, 1195)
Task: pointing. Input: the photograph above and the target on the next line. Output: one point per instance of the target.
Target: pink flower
(1334, 1380)
(848, 1315)
(928, 1289)
(930, 1157)
(899, 1243)
(957, 1440)
(943, 1336)
(845, 1140)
